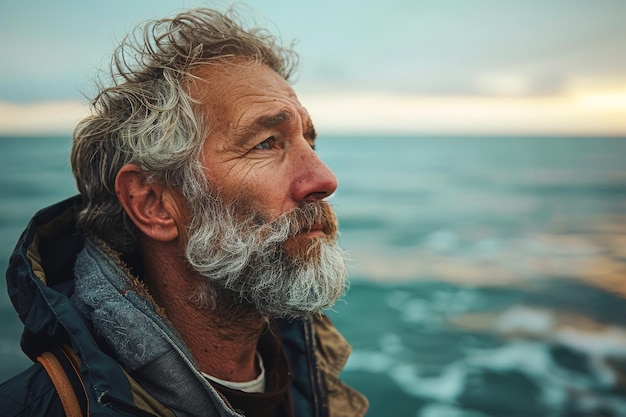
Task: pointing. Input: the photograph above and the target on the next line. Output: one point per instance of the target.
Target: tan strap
(62, 384)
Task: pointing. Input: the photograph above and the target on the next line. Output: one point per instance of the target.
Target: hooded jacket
(70, 290)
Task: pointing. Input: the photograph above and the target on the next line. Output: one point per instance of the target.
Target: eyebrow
(245, 133)
(309, 131)
(273, 121)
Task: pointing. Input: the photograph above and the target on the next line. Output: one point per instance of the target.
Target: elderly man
(189, 276)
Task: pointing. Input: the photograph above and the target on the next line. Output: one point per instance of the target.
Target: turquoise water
(488, 275)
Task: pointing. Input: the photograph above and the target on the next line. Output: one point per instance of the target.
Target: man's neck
(222, 338)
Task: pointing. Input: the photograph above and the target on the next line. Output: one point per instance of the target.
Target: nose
(314, 181)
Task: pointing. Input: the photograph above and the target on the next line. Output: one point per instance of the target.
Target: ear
(152, 207)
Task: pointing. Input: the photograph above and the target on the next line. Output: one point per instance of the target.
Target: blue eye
(266, 144)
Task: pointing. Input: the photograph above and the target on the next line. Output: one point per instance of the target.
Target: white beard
(246, 256)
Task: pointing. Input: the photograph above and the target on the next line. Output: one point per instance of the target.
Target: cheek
(254, 198)
(270, 191)
(263, 188)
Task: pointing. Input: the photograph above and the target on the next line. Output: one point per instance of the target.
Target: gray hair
(147, 116)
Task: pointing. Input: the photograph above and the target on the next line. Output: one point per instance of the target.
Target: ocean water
(488, 274)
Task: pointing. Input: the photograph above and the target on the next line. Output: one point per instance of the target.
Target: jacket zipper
(317, 391)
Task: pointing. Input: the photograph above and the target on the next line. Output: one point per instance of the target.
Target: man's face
(275, 235)
(260, 145)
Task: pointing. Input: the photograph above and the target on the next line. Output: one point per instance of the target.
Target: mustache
(302, 219)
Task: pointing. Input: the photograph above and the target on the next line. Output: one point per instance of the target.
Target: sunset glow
(595, 113)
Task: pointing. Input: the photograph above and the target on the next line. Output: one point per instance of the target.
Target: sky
(532, 67)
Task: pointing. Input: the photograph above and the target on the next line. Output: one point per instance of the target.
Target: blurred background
(480, 148)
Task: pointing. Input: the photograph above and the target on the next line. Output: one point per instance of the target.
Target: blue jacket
(69, 290)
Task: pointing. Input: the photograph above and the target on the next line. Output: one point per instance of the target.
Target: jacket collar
(124, 316)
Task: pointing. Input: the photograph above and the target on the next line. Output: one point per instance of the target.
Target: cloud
(41, 118)
(517, 83)
(451, 48)
(580, 112)
(585, 113)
